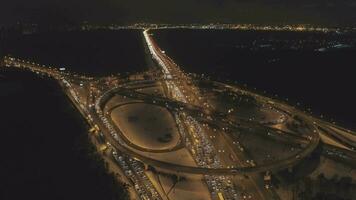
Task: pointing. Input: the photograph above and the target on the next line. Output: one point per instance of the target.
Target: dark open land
(95, 53)
(47, 155)
(315, 69)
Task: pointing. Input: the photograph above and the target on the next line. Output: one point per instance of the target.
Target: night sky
(324, 12)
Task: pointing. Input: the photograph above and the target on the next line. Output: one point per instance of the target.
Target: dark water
(95, 53)
(315, 69)
(45, 152)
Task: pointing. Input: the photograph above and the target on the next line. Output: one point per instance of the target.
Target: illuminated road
(183, 97)
(171, 70)
(283, 164)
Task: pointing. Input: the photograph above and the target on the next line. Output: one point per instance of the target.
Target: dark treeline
(336, 188)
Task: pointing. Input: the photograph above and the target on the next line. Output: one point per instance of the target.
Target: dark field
(314, 69)
(95, 53)
(45, 151)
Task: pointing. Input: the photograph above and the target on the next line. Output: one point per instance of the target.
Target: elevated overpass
(126, 148)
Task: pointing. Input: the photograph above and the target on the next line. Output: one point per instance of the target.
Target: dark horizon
(316, 12)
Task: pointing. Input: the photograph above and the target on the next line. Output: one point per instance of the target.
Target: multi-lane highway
(210, 150)
(160, 101)
(189, 93)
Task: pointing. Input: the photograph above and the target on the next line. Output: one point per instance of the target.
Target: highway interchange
(194, 116)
